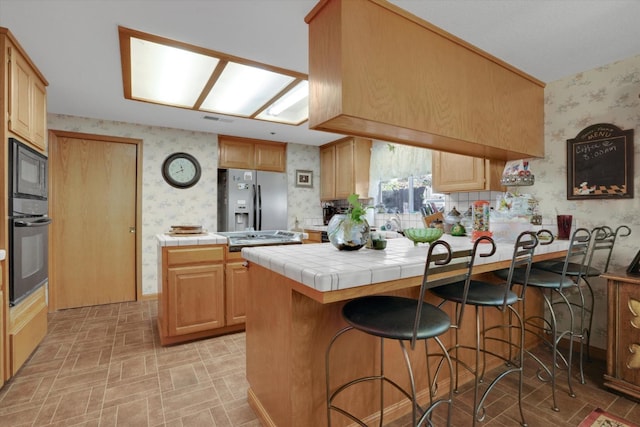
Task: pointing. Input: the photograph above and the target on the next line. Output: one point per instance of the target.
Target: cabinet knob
(132, 230)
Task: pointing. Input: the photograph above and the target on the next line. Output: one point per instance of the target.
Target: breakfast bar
(294, 308)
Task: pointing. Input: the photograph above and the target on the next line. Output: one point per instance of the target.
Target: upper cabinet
(455, 172)
(26, 96)
(344, 168)
(244, 153)
(423, 86)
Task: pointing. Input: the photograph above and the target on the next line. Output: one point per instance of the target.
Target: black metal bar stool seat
(556, 290)
(405, 320)
(393, 317)
(573, 268)
(481, 295)
(537, 278)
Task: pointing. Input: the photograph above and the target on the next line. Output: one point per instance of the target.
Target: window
(407, 195)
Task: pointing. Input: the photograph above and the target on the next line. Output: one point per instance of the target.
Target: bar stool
(603, 239)
(403, 319)
(484, 295)
(556, 290)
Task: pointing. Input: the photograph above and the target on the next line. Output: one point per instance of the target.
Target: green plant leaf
(356, 211)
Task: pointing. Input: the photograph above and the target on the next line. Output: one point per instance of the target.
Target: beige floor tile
(104, 366)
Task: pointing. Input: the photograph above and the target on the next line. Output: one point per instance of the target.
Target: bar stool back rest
(577, 252)
(458, 261)
(604, 239)
(523, 251)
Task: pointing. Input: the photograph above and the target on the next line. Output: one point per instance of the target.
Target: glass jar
(453, 218)
(480, 220)
(346, 234)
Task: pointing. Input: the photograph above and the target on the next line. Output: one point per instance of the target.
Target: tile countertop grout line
(345, 269)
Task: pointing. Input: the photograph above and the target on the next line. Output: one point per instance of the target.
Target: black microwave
(27, 172)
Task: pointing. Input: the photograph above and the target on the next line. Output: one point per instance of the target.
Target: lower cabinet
(196, 297)
(623, 333)
(314, 236)
(27, 328)
(237, 286)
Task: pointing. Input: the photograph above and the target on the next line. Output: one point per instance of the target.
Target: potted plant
(349, 231)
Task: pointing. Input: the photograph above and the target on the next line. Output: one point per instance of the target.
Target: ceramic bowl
(423, 235)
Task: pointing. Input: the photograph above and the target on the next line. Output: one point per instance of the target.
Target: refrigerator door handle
(255, 217)
(259, 208)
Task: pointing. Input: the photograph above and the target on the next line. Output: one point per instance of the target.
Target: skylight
(169, 72)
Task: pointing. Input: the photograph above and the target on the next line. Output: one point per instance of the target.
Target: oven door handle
(40, 222)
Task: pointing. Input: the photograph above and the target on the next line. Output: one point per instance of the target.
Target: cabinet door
(270, 157)
(327, 173)
(455, 172)
(345, 169)
(314, 236)
(2, 343)
(195, 298)
(39, 115)
(20, 96)
(237, 286)
(234, 154)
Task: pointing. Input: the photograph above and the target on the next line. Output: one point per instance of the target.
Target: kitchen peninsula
(295, 297)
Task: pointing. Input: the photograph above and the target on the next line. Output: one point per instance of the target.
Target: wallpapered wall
(607, 94)
(163, 205)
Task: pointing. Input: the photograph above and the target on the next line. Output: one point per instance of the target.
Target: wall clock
(181, 170)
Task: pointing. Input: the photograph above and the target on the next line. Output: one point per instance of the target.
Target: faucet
(394, 223)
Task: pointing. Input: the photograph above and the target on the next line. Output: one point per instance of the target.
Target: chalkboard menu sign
(600, 163)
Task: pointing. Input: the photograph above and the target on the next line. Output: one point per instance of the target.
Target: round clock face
(181, 170)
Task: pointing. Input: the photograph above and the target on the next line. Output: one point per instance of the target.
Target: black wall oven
(28, 221)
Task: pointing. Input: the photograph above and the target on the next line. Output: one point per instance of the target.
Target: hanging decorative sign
(600, 163)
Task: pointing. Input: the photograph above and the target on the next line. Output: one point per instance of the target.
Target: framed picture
(304, 178)
(600, 163)
(634, 267)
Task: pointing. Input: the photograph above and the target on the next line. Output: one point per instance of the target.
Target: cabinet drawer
(234, 256)
(195, 254)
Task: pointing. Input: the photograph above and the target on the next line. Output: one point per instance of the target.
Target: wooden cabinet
(201, 292)
(423, 86)
(27, 98)
(193, 296)
(455, 172)
(344, 168)
(244, 153)
(328, 172)
(237, 286)
(314, 236)
(27, 328)
(23, 98)
(270, 156)
(2, 345)
(623, 333)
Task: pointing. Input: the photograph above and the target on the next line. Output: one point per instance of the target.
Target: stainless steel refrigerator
(249, 198)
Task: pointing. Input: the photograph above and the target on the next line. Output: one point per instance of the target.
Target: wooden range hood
(379, 72)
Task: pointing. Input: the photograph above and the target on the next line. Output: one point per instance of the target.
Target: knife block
(430, 218)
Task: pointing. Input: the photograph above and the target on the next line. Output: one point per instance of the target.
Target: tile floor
(104, 366)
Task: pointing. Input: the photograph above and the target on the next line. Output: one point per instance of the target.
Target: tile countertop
(324, 268)
(201, 239)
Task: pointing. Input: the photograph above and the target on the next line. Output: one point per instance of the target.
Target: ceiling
(75, 45)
